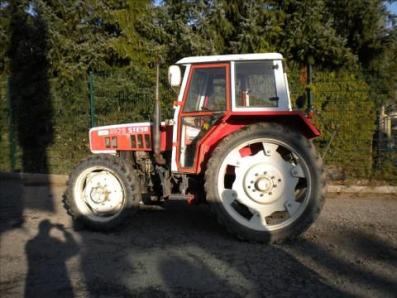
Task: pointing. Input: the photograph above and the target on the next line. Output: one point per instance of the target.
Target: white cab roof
(222, 58)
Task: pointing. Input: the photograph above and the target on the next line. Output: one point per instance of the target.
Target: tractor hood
(128, 137)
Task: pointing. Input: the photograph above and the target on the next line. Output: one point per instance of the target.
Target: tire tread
(211, 172)
(122, 168)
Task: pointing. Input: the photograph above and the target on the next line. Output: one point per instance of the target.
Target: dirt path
(182, 251)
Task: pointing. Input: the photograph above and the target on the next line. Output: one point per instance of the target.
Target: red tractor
(234, 142)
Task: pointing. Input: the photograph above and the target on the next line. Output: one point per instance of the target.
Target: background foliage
(48, 48)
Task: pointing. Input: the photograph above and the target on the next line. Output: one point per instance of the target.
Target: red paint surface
(124, 135)
(233, 121)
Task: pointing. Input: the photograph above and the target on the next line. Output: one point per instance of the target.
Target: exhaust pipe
(157, 122)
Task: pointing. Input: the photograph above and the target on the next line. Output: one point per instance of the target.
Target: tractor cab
(222, 88)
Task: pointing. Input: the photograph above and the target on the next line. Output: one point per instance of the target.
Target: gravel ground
(178, 250)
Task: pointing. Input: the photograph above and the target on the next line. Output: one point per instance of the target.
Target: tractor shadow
(182, 251)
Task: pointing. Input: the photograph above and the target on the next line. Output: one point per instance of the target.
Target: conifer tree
(308, 32)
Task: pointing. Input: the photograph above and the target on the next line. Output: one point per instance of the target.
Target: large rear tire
(265, 183)
(102, 190)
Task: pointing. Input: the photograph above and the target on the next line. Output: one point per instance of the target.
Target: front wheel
(101, 190)
(265, 183)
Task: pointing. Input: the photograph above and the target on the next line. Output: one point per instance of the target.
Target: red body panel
(234, 121)
(296, 119)
(231, 122)
(128, 137)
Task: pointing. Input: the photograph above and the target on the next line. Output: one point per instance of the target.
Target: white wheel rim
(99, 194)
(263, 195)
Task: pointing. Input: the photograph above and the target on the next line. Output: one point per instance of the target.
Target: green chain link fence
(359, 138)
(348, 113)
(118, 98)
(7, 138)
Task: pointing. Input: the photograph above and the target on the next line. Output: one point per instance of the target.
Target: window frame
(188, 85)
(281, 89)
(181, 114)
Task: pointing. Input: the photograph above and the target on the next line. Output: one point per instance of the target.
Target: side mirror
(300, 102)
(174, 75)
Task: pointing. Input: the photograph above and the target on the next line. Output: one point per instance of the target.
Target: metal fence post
(91, 98)
(309, 87)
(11, 126)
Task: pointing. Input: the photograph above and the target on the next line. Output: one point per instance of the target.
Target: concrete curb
(61, 180)
(35, 179)
(383, 189)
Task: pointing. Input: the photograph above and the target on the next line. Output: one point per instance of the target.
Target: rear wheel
(101, 191)
(265, 183)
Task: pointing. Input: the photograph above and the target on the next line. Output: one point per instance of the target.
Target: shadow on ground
(52, 277)
(184, 252)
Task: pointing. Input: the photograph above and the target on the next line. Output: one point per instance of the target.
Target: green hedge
(346, 116)
(119, 97)
(341, 101)
(5, 162)
(69, 123)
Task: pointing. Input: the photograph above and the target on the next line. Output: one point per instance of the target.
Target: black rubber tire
(125, 174)
(306, 150)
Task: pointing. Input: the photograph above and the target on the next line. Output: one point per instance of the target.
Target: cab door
(206, 99)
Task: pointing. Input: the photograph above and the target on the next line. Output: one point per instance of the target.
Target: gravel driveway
(178, 250)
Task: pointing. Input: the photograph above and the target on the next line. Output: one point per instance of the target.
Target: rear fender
(295, 120)
(236, 121)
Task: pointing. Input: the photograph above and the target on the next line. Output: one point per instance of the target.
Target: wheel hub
(99, 194)
(103, 192)
(262, 183)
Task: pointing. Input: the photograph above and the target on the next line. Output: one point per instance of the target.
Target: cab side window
(255, 84)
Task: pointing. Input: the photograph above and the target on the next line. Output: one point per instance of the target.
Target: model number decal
(103, 132)
(129, 130)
